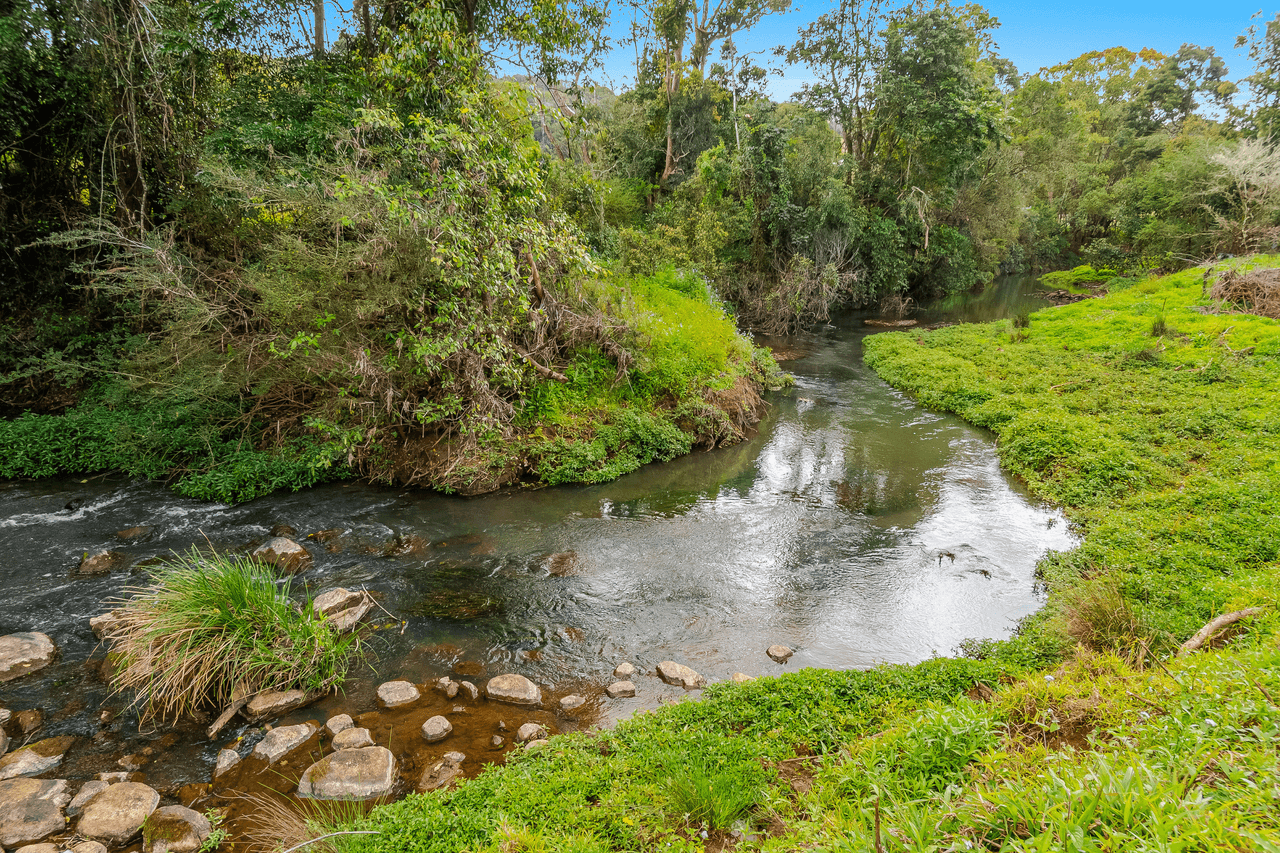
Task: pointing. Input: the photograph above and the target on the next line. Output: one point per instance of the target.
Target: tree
(1264, 82)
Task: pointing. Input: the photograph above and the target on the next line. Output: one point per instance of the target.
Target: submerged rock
(443, 773)
(513, 689)
(116, 815)
(677, 673)
(129, 534)
(175, 829)
(24, 653)
(780, 653)
(437, 728)
(469, 690)
(350, 774)
(39, 757)
(88, 847)
(397, 694)
(280, 742)
(352, 739)
(102, 562)
(284, 554)
(620, 690)
(227, 759)
(568, 703)
(29, 720)
(31, 810)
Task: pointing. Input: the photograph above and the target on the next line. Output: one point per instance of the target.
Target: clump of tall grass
(209, 629)
(714, 795)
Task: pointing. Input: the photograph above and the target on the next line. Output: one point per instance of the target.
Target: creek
(855, 527)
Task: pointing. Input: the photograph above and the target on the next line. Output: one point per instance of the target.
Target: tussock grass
(209, 629)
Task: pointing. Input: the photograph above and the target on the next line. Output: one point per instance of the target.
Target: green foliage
(1163, 460)
(712, 795)
(1074, 278)
(208, 626)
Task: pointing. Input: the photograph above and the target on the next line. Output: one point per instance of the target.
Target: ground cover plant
(1092, 729)
(209, 629)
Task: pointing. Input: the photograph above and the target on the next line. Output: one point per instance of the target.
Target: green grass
(209, 628)
(1168, 466)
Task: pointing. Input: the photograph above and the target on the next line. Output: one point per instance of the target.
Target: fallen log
(1202, 636)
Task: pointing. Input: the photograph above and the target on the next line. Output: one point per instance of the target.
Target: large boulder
(39, 757)
(350, 774)
(283, 553)
(24, 653)
(116, 815)
(677, 673)
(175, 829)
(513, 689)
(280, 742)
(31, 810)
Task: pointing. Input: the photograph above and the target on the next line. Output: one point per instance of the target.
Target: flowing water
(855, 526)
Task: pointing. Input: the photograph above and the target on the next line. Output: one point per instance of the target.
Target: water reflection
(855, 527)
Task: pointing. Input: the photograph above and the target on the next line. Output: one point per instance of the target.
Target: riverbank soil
(1154, 425)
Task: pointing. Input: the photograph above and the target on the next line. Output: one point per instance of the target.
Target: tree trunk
(318, 6)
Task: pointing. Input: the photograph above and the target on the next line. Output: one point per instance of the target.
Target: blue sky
(1036, 34)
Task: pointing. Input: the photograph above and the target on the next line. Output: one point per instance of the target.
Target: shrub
(210, 628)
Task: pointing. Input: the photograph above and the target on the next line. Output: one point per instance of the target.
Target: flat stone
(513, 689)
(227, 759)
(87, 792)
(101, 562)
(270, 704)
(39, 757)
(742, 678)
(620, 690)
(454, 757)
(116, 815)
(283, 553)
(530, 731)
(438, 775)
(469, 690)
(677, 673)
(538, 742)
(339, 723)
(331, 601)
(88, 847)
(345, 621)
(573, 700)
(175, 829)
(624, 671)
(353, 739)
(47, 847)
(396, 694)
(350, 774)
(780, 653)
(31, 810)
(24, 653)
(436, 728)
(280, 742)
(103, 624)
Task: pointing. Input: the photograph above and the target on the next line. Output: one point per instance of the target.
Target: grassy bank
(647, 369)
(1153, 424)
